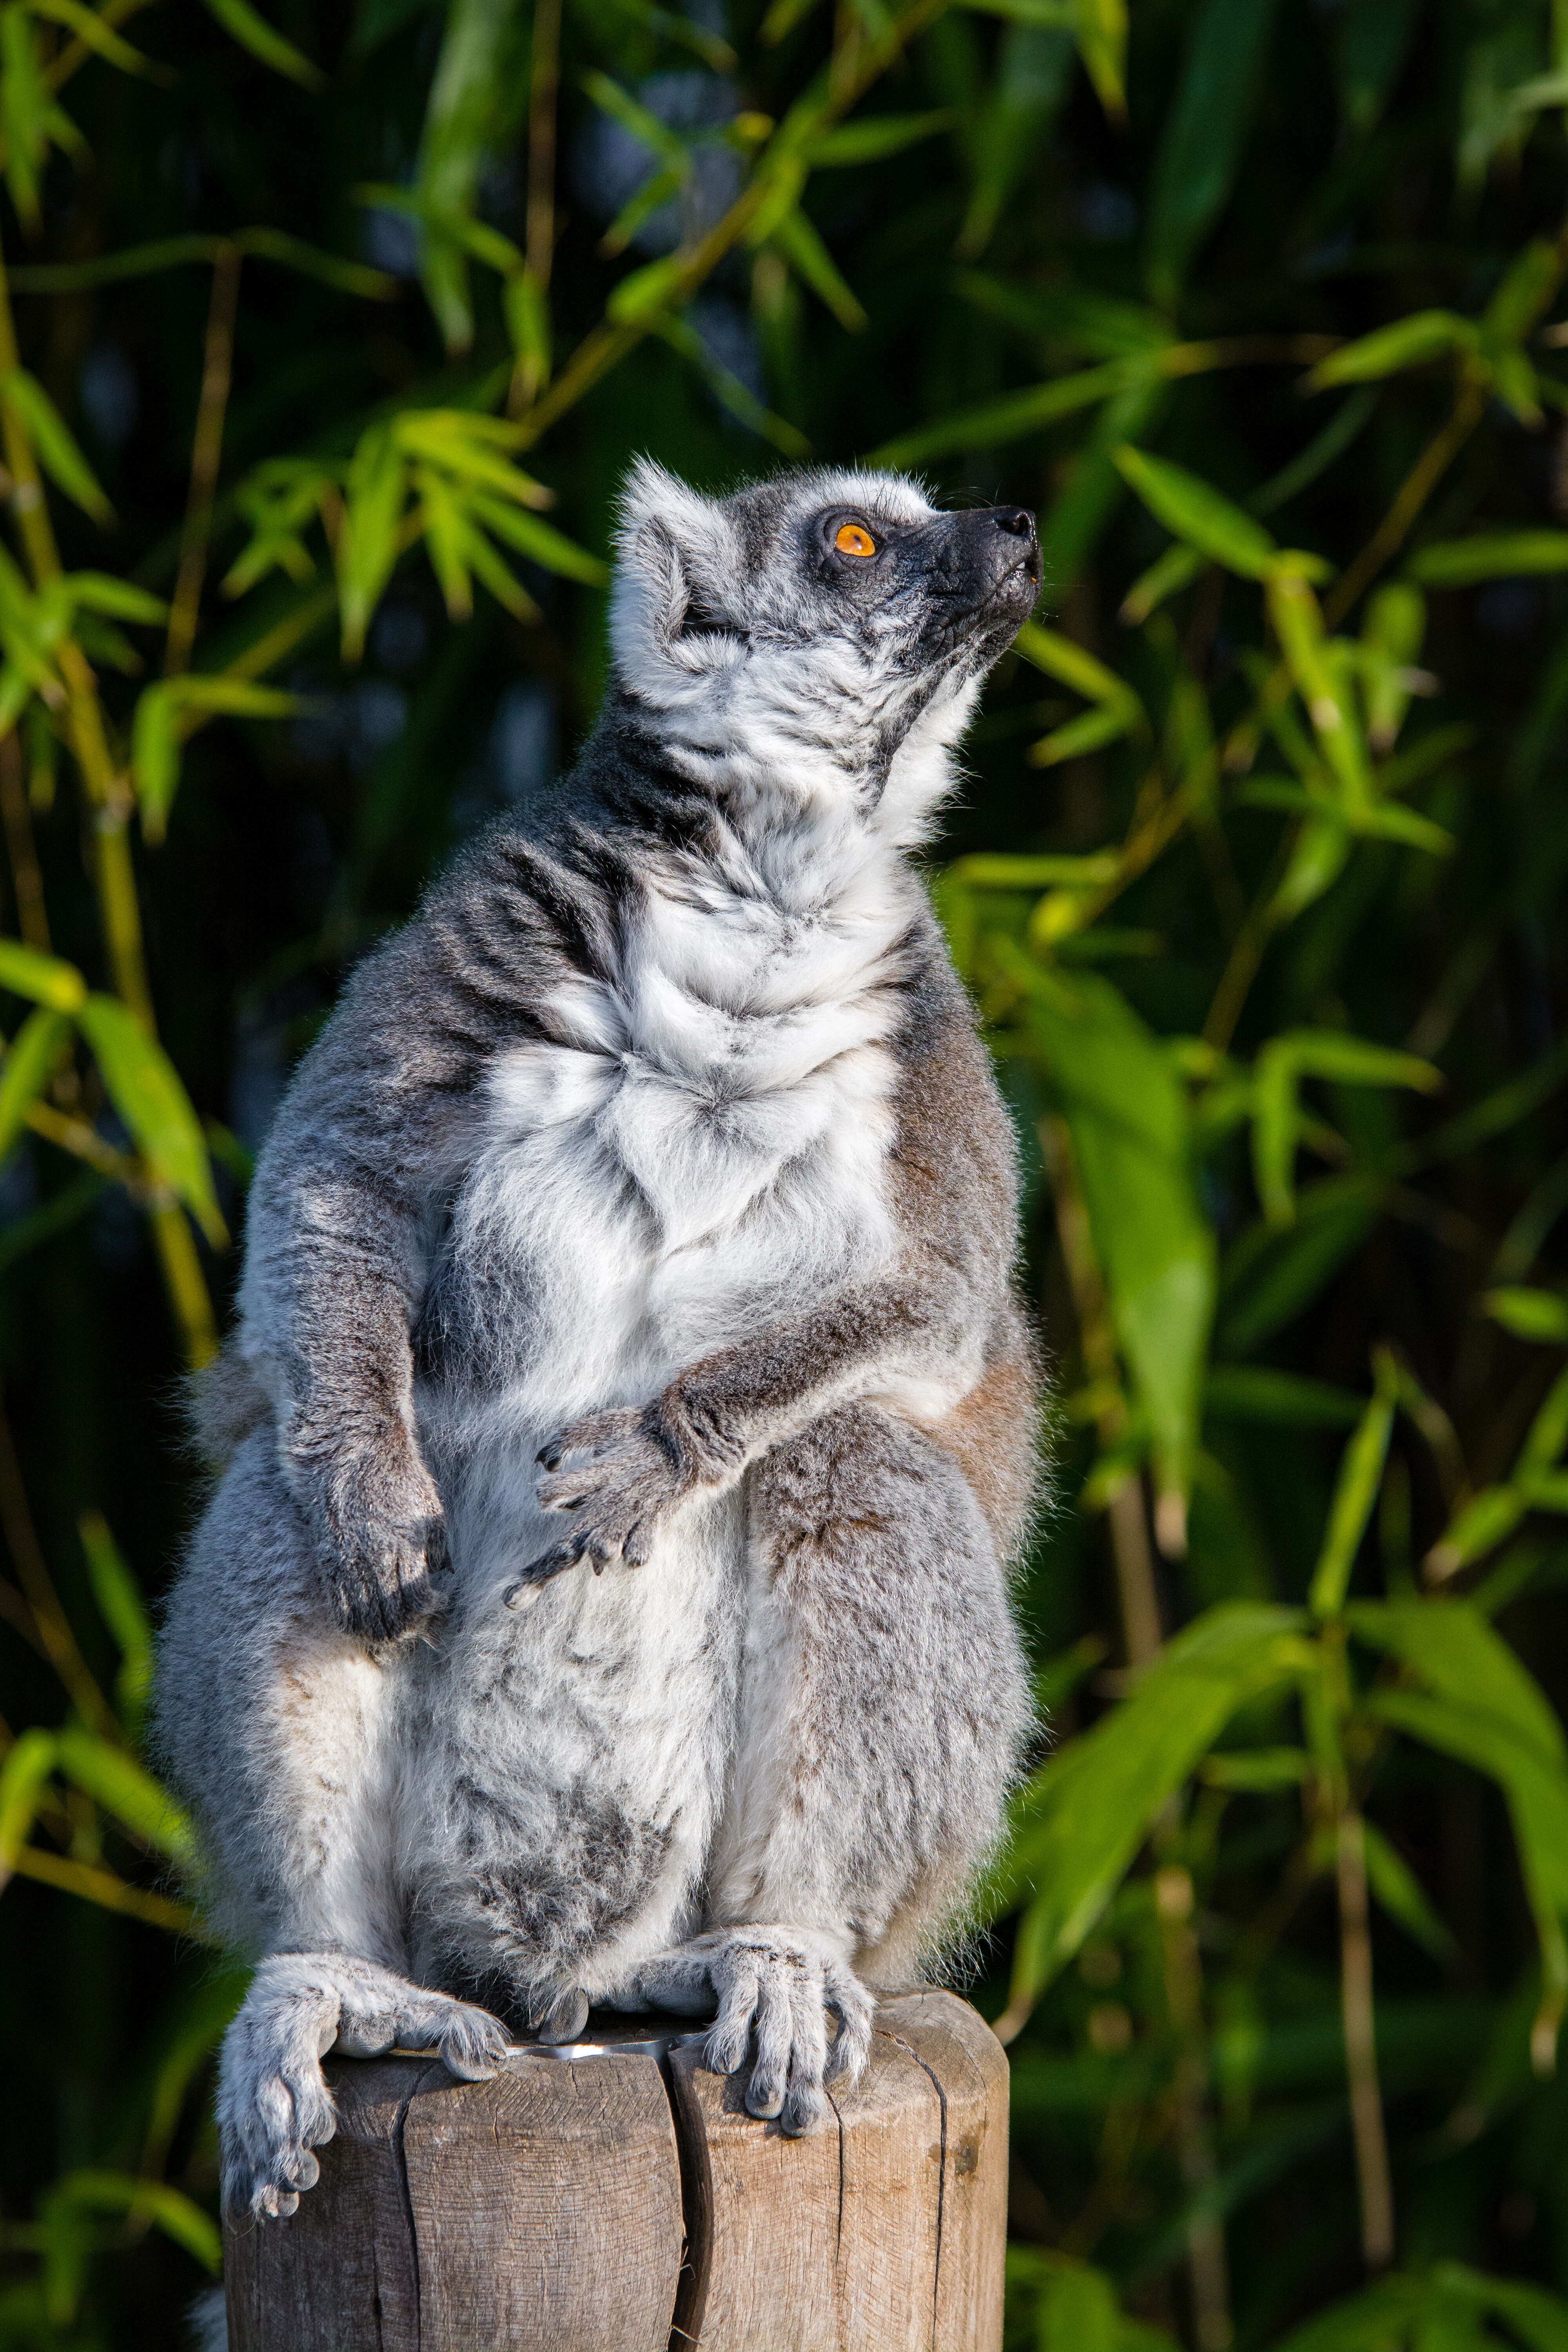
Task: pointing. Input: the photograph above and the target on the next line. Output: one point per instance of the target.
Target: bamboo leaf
(24, 1776)
(1011, 418)
(1489, 555)
(114, 1778)
(1399, 1891)
(57, 452)
(1361, 1475)
(150, 1099)
(247, 26)
(1078, 1823)
(1200, 145)
(124, 1612)
(368, 546)
(46, 979)
(1197, 514)
(169, 2210)
(162, 713)
(31, 1060)
(1538, 1315)
(1409, 342)
(1125, 1107)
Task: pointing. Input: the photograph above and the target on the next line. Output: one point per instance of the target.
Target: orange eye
(854, 539)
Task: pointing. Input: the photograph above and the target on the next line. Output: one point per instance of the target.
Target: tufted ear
(676, 550)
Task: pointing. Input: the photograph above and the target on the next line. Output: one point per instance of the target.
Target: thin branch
(27, 880)
(1361, 2045)
(206, 451)
(37, 1587)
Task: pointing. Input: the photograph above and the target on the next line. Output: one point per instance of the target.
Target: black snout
(1018, 542)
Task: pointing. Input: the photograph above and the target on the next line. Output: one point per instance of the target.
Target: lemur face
(840, 600)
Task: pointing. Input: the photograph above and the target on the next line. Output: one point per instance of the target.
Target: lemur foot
(273, 2103)
(775, 1987)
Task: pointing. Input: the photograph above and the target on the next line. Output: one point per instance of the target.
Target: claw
(567, 2015)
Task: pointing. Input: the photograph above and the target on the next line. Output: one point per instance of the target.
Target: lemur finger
(856, 2010)
(804, 2105)
(725, 2049)
(553, 1562)
(774, 2021)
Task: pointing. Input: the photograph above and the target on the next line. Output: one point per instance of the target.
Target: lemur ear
(676, 550)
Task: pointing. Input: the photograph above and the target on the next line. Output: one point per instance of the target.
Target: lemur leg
(886, 1702)
(279, 1733)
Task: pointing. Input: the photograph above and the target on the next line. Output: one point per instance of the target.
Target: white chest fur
(706, 1145)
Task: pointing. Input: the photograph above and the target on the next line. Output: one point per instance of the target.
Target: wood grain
(342, 2275)
(883, 2235)
(547, 2210)
(602, 2204)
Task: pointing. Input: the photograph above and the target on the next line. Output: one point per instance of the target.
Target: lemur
(630, 1415)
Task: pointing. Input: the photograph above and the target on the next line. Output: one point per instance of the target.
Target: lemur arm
(919, 1336)
(343, 1215)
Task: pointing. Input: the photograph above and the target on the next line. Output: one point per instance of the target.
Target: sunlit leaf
(247, 26)
(31, 1060)
(1197, 514)
(1489, 555)
(1077, 1824)
(57, 452)
(1355, 1492)
(114, 1779)
(1409, 342)
(148, 1095)
(46, 979)
(1125, 1110)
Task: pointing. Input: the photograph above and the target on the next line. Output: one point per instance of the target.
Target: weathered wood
(622, 2198)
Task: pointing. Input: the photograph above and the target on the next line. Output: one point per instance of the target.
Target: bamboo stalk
(114, 874)
(1360, 2046)
(206, 451)
(37, 1587)
(27, 880)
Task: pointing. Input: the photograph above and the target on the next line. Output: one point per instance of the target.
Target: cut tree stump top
(614, 2196)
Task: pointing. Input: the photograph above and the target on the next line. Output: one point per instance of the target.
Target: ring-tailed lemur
(647, 1207)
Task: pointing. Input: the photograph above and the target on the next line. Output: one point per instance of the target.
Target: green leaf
(1082, 1818)
(543, 545)
(1011, 418)
(1409, 342)
(164, 711)
(1256, 1392)
(114, 1778)
(1397, 1889)
(476, 87)
(1060, 658)
(1125, 1109)
(1536, 1789)
(1200, 146)
(804, 249)
(368, 538)
(57, 452)
(1539, 1315)
(1166, 576)
(245, 24)
(91, 29)
(169, 2210)
(1459, 1655)
(1355, 1491)
(1377, 2319)
(1391, 639)
(31, 1060)
(874, 136)
(1197, 514)
(148, 1095)
(124, 1612)
(44, 977)
(1489, 555)
(1034, 71)
(24, 1776)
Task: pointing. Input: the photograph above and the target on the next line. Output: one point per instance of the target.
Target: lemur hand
(381, 1537)
(630, 1467)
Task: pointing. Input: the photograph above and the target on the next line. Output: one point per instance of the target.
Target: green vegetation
(325, 334)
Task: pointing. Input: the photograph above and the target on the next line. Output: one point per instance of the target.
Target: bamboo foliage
(1254, 889)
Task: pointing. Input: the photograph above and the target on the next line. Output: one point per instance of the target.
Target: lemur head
(819, 617)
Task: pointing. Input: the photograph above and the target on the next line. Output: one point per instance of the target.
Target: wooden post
(615, 2197)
